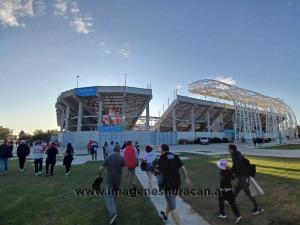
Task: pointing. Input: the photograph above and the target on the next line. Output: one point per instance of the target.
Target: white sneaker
(222, 216)
(237, 220)
(112, 219)
(67, 174)
(39, 173)
(36, 174)
(21, 170)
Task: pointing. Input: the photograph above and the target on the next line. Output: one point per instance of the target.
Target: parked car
(204, 140)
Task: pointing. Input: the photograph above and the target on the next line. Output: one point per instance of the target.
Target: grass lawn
(284, 147)
(280, 179)
(30, 200)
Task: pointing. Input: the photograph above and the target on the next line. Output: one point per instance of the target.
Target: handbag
(97, 183)
(143, 166)
(254, 188)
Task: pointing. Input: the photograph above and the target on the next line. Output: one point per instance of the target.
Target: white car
(204, 140)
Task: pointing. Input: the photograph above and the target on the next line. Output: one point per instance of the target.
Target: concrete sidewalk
(187, 215)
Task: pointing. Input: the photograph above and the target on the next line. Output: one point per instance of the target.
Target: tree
(5, 133)
(24, 136)
(39, 134)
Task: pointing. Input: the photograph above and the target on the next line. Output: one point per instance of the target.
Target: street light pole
(77, 80)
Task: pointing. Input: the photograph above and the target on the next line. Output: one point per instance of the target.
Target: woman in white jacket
(149, 157)
(38, 152)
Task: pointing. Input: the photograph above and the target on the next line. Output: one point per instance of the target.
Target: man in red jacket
(130, 156)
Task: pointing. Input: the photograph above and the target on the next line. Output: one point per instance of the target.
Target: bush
(182, 141)
(225, 140)
(215, 140)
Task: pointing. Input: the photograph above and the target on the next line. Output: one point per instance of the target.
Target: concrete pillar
(147, 117)
(123, 115)
(174, 120)
(192, 121)
(208, 121)
(67, 118)
(79, 120)
(222, 122)
(62, 120)
(267, 125)
(100, 107)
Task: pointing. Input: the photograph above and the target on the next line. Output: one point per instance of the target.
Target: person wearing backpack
(242, 169)
(51, 158)
(130, 156)
(113, 165)
(68, 158)
(226, 191)
(149, 157)
(23, 151)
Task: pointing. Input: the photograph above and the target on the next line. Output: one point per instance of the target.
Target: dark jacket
(4, 151)
(225, 178)
(51, 152)
(238, 167)
(23, 150)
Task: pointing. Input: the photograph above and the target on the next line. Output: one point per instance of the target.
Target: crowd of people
(38, 151)
(165, 166)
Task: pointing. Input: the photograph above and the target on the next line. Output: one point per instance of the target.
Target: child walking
(226, 191)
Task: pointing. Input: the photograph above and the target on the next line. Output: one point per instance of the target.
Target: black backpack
(248, 168)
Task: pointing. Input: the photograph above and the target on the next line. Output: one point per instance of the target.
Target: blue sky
(45, 44)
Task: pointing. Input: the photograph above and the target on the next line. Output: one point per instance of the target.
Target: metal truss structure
(255, 113)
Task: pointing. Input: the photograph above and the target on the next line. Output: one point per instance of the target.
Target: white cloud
(74, 8)
(11, 11)
(82, 24)
(227, 80)
(124, 52)
(61, 7)
(179, 87)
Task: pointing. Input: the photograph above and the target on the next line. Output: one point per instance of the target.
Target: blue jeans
(5, 164)
(2, 165)
(110, 198)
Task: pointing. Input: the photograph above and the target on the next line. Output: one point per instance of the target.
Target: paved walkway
(187, 215)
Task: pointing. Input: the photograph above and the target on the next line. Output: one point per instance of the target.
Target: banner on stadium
(110, 128)
(87, 91)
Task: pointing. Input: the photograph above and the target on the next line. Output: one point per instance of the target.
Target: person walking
(240, 170)
(23, 151)
(110, 149)
(113, 165)
(226, 191)
(137, 146)
(88, 146)
(104, 148)
(94, 149)
(124, 145)
(130, 156)
(169, 166)
(38, 152)
(51, 158)
(254, 141)
(10, 147)
(68, 158)
(149, 158)
(4, 153)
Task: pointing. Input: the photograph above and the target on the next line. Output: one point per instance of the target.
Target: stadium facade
(119, 113)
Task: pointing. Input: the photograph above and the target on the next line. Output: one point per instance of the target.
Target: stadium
(217, 109)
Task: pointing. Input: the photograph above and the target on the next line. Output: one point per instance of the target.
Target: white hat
(221, 164)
